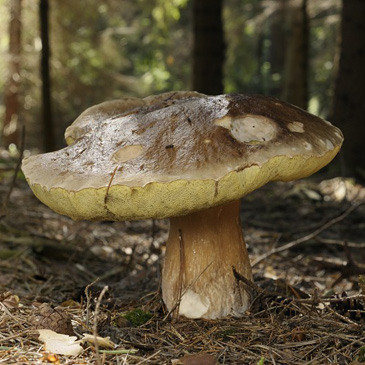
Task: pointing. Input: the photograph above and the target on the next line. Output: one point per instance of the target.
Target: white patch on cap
(329, 144)
(193, 305)
(297, 127)
(127, 153)
(253, 129)
(250, 128)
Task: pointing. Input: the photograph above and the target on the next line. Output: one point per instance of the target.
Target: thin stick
(327, 241)
(88, 300)
(308, 237)
(18, 335)
(150, 357)
(95, 327)
(181, 271)
(110, 183)
(345, 319)
(330, 300)
(248, 283)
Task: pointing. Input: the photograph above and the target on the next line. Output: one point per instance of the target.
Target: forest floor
(306, 243)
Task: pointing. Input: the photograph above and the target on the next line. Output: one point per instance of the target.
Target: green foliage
(323, 57)
(252, 48)
(116, 50)
(101, 50)
(5, 348)
(166, 11)
(241, 62)
(138, 317)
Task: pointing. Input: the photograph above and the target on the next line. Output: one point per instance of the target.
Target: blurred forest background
(60, 57)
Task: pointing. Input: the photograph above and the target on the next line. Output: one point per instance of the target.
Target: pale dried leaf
(59, 344)
(104, 342)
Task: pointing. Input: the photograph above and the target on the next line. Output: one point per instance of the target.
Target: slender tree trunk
(278, 45)
(208, 54)
(349, 106)
(48, 128)
(11, 120)
(296, 65)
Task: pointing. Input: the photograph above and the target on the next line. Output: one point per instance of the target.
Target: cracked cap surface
(174, 153)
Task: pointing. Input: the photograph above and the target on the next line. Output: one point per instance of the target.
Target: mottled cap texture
(175, 153)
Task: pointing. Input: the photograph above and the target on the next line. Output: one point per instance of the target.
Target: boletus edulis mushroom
(191, 158)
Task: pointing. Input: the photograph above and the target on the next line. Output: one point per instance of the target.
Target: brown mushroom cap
(175, 153)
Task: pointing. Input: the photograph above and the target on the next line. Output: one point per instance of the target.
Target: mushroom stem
(197, 277)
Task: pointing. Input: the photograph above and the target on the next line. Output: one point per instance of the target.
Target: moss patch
(137, 317)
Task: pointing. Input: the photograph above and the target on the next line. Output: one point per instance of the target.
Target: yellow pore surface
(178, 197)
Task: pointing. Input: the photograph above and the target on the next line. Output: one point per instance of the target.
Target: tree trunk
(296, 63)
(209, 47)
(11, 120)
(349, 106)
(277, 49)
(48, 129)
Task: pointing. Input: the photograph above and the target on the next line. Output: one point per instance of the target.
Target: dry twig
(308, 237)
(95, 326)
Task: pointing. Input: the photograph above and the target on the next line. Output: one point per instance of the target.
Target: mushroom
(191, 158)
